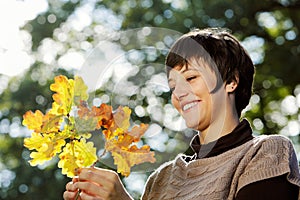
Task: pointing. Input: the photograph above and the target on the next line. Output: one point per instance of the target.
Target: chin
(193, 121)
(197, 126)
(194, 126)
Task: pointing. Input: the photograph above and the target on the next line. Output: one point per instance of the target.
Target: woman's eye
(190, 78)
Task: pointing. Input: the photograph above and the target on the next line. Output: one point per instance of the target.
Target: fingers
(106, 179)
(69, 195)
(71, 187)
(99, 182)
(71, 190)
(92, 189)
(85, 196)
(88, 173)
(75, 179)
(82, 196)
(96, 184)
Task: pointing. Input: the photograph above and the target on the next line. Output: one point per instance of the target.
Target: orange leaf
(103, 114)
(124, 150)
(126, 158)
(138, 131)
(122, 117)
(118, 123)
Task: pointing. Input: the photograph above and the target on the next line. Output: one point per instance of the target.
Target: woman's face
(191, 95)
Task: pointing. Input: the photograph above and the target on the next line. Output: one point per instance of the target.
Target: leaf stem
(77, 194)
(103, 153)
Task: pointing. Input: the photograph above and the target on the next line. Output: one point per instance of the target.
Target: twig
(77, 194)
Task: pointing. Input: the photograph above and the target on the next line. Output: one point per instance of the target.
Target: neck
(223, 124)
(217, 130)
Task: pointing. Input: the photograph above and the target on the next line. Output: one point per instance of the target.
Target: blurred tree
(75, 29)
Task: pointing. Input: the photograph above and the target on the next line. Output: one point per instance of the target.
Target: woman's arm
(96, 183)
(276, 188)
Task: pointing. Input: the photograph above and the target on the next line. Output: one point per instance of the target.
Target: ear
(231, 87)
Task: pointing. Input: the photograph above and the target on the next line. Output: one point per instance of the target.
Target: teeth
(189, 105)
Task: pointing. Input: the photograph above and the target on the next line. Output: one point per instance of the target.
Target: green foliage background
(269, 29)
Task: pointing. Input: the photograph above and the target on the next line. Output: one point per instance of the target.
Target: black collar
(240, 135)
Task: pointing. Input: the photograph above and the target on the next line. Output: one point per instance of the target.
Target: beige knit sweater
(222, 176)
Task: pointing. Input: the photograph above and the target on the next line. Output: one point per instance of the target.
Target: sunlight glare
(13, 15)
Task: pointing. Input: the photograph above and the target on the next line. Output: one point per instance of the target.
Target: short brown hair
(231, 59)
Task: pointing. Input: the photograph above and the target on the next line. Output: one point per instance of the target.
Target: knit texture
(222, 176)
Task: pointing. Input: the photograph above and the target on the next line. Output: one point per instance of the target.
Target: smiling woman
(209, 81)
(210, 76)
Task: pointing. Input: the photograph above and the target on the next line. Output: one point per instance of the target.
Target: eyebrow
(184, 71)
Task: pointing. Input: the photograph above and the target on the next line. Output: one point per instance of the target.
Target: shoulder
(271, 151)
(271, 138)
(270, 156)
(272, 144)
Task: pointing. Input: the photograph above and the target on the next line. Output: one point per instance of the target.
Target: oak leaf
(38, 122)
(126, 157)
(33, 121)
(63, 96)
(75, 155)
(124, 150)
(46, 146)
(80, 90)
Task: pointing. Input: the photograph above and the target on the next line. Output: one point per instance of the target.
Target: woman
(210, 75)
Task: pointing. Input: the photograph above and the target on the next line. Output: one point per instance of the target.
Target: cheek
(175, 103)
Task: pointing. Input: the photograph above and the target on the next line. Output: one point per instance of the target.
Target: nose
(180, 91)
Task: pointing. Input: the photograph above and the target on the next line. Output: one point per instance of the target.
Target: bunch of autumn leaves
(65, 128)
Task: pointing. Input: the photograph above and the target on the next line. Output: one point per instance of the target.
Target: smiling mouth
(189, 105)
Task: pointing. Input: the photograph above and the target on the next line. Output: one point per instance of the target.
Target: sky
(14, 58)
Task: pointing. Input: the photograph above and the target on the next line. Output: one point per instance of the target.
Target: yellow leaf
(33, 121)
(86, 153)
(75, 155)
(51, 123)
(80, 90)
(67, 160)
(64, 95)
(56, 109)
(46, 146)
(38, 122)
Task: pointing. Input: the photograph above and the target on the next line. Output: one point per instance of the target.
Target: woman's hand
(96, 183)
(71, 190)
